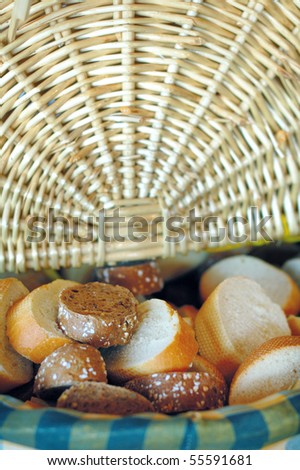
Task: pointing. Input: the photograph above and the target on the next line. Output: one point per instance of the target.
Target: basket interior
(152, 107)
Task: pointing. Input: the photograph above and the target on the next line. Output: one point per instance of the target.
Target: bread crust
(214, 344)
(227, 351)
(14, 369)
(268, 348)
(177, 356)
(176, 392)
(294, 324)
(140, 279)
(111, 321)
(25, 333)
(217, 273)
(70, 364)
(189, 312)
(292, 305)
(200, 364)
(96, 397)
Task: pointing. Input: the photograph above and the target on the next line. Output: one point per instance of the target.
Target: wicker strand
(153, 108)
(19, 15)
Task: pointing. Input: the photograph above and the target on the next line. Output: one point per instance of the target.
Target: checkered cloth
(270, 423)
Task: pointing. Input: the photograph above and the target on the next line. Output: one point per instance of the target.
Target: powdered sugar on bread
(67, 365)
(98, 314)
(175, 392)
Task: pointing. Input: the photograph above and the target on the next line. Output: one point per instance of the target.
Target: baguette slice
(15, 370)
(278, 285)
(32, 322)
(236, 318)
(162, 342)
(272, 367)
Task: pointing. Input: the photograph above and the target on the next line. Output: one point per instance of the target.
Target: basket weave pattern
(155, 107)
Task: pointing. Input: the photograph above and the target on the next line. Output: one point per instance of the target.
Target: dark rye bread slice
(176, 392)
(98, 314)
(93, 397)
(66, 366)
(140, 279)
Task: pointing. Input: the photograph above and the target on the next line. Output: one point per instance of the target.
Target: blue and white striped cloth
(272, 423)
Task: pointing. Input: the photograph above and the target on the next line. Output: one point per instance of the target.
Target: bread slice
(98, 314)
(140, 279)
(162, 342)
(32, 322)
(292, 267)
(294, 324)
(15, 370)
(278, 285)
(189, 313)
(176, 392)
(200, 364)
(272, 367)
(235, 319)
(96, 397)
(66, 366)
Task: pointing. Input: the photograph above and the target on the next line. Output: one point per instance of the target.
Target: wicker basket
(151, 107)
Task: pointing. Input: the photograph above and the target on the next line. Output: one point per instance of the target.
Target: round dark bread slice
(140, 279)
(66, 366)
(98, 314)
(176, 392)
(96, 397)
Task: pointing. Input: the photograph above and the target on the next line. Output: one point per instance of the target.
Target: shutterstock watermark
(138, 229)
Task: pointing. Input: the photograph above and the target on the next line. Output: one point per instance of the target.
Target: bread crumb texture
(272, 367)
(175, 392)
(236, 318)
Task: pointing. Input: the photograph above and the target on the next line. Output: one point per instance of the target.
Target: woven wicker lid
(153, 108)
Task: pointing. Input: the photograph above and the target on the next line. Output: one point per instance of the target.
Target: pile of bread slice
(97, 347)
